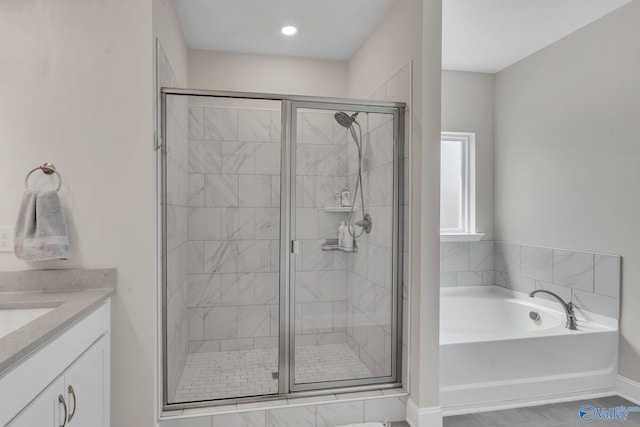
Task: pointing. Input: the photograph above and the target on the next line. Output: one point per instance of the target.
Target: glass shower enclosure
(281, 245)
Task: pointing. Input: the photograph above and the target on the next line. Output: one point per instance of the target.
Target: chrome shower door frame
(286, 356)
(396, 305)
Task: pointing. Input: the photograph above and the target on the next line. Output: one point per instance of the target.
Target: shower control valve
(366, 223)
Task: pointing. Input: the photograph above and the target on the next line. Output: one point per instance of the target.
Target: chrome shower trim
(366, 223)
(162, 214)
(292, 395)
(398, 243)
(286, 309)
(282, 97)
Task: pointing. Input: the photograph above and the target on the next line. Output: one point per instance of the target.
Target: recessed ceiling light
(289, 30)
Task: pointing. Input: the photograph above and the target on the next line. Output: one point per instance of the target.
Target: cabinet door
(45, 410)
(84, 386)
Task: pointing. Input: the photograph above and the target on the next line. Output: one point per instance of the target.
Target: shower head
(344, 119)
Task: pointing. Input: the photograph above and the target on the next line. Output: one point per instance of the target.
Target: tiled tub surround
(176, 212)
(590, 280)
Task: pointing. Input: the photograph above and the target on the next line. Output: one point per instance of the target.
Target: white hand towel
(41, 229)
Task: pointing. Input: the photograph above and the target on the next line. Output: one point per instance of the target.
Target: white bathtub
(493, 355)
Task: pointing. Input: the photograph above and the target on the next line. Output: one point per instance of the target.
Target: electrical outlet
(6, 239)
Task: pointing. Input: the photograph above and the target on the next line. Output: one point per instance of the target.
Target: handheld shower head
(344, 119)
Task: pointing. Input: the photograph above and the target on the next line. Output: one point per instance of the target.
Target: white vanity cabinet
(68, 376)
(78, 395)
(43, 411)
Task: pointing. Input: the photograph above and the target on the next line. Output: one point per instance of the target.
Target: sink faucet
(568, 308)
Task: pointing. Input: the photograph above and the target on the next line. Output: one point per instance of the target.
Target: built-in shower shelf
(339, 209)
(327, 247)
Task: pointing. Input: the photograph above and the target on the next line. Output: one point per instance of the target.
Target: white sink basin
(12, 319)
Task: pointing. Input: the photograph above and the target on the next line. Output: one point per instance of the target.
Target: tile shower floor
(226, 374)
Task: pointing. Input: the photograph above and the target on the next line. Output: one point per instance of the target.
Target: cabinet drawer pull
(75, 402)
(64, 405)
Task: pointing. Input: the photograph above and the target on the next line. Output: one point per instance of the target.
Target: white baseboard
(628, 389)
(423, 417)
(521, 403)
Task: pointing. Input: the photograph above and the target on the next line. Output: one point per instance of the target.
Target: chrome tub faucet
(568, 308)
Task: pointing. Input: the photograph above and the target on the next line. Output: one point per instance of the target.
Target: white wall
(429, 231)
(467, 106)
(266, 73)
(170, 67)
(410, 32)
(166, 28)
(76, 87)
(566, 153)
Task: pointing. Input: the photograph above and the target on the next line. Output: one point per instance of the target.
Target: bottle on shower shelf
(348, 238)
(346, 197)
(342, 233)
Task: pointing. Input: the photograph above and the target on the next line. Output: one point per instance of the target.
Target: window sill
(460, 237)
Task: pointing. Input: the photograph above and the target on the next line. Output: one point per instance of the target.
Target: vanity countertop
(71, 293)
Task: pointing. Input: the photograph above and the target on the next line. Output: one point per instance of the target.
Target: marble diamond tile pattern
(228, 374)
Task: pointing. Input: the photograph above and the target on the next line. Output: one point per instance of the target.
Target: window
(457, 184)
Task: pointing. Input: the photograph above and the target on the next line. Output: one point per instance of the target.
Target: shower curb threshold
(280, 403)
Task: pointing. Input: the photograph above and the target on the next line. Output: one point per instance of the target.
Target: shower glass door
(343, 284)
(222, 167)
(261, 297)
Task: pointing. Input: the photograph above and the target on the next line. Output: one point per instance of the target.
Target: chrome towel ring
(47, 168)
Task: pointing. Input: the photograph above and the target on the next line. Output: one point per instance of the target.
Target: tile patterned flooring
(555, 415)
(315, 363)
(226, 374)
(218, 375)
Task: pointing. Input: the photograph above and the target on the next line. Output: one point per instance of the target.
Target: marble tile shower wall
(233, 228)
(370, 270)
(369, 290)
(321, 277)
(176, 200)
(234, 168)
(590, 280)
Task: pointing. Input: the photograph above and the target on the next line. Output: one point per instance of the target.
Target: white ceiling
(328, 29)
(478, 35)
(489, 35)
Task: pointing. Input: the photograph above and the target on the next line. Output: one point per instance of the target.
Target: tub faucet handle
(568, 308)
(571, 318)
